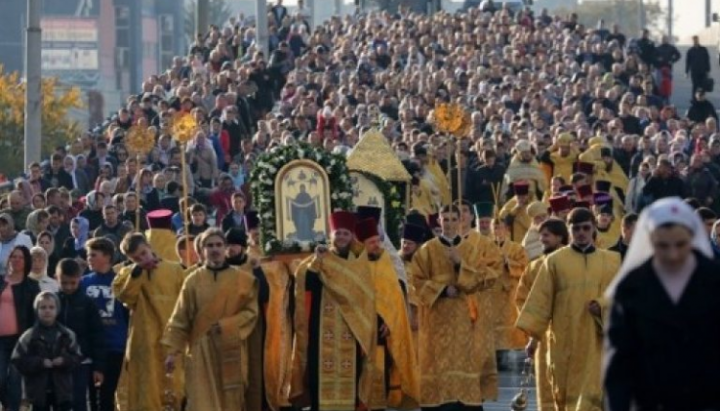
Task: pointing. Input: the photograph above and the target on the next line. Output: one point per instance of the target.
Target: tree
(218, 11)
(57, 127)
(625, 13)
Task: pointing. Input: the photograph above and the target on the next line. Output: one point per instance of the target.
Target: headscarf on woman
(72, 169)
(32, 225)
(671, 210)
(83, 233)
(714, 240)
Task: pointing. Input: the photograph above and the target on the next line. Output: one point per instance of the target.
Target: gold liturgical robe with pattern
(507, 336)
(543, 387)
(335, 325)
(456, 350)
(403, 380)
(217, 363)
(151, 298)
(567, 282)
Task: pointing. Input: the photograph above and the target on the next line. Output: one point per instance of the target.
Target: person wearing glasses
(566, 299)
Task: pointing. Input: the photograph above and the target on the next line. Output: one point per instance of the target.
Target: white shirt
(46, 282)
(675, 282)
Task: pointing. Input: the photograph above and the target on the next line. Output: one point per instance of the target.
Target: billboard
(70, 49)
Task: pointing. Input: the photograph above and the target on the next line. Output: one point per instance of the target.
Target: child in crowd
(45, 355)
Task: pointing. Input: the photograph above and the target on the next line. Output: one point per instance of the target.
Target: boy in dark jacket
(45, 355)
(80, 314)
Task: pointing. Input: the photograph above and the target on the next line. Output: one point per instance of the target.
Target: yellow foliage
(57, 127)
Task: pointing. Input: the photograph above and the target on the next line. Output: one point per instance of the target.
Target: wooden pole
(186, 219)
(138, 192)
(459, 174)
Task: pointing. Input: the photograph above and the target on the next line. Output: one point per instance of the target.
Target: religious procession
(386, 213)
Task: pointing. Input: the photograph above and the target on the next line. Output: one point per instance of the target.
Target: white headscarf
(394, 255)
(667, 210)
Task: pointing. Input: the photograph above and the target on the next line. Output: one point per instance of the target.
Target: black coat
(24, 294)
(80, 314)
(697, 61)
(28, 357)
(479, 181)
(700, 111)
(660, 355)
(657, 188)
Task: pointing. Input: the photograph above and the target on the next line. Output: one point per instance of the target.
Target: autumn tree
(57, 127)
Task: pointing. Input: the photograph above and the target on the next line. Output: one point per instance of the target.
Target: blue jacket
(113, 314)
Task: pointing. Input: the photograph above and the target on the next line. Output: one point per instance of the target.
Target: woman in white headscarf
(663, 333)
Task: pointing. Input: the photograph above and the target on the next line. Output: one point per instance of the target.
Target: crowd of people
(108, 300)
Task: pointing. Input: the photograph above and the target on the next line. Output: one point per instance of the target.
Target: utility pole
(708, 13)
(33, 84)
(338, 8)
(670, 20)
(202, 17)
(262, 38)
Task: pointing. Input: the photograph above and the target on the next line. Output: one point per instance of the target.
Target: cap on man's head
(344, 220)
(584, 190)
(160, 219)
(565, 139)
(7, 218)
(252, 220)
(536, 208)
(236, 236)
(521, 188)
(414, 233)
(585, 168)
(523, 146)
(484, 209)
(559, 204)
(366, 229)
(601, 199)
(603, 186)
(365, 212)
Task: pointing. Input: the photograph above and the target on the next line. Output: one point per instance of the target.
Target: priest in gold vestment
(149, 288)
(553, 235)
(515, 260)
(566, 298)
(160, 235)
(396, 384)
(514, 212)
(335, 326)
(456, 350)
(213, 318)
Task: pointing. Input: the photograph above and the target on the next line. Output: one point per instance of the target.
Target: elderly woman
(37, 222)
(94, 203)
(38, 272)
(662, 337)
(81, 182)
(17, 293)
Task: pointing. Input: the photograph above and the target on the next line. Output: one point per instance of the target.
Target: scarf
(82, 237)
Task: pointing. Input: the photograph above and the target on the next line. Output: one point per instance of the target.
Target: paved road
(509, 385)
(682, 92)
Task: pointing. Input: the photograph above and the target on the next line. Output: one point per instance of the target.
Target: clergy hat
(484, 209)
(606, 208)
(414, 233)
(567, 189)
(560, 203)
(521, 188)
(417, 219)
(603, 186)
(252, 220)
(585, 168)
(342, 220)
(581, 204)
(160, 219)
(366, 229)
(236, 236)
(365, 212)
(536, 208)
(434, 221)
(584, 190)
(601, 199)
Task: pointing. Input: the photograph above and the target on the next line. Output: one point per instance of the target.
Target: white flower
(268, 246)
(301, 153)
(267, 216)
(287, 243)
(305, 246)
(318, 157)
(334, 196)
(272, 169)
